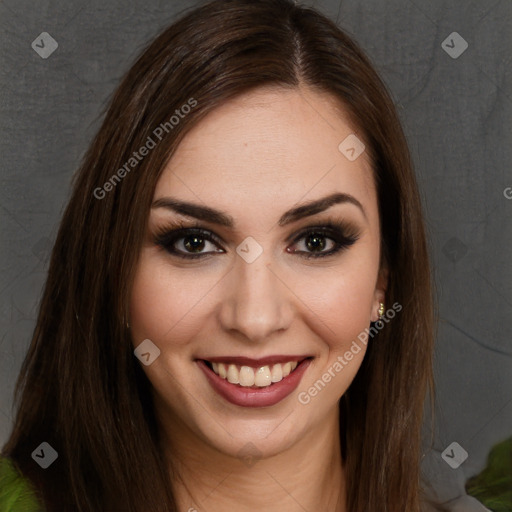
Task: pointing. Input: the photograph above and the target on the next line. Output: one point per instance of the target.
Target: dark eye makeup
(342, 234)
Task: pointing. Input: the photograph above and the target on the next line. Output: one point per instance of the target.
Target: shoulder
(16, 492)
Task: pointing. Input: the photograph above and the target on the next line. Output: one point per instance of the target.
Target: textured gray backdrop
(456, 110)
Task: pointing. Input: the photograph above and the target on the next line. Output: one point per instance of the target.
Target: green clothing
(16, 492)
(493, 486)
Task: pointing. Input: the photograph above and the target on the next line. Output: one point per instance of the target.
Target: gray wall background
(457, 116)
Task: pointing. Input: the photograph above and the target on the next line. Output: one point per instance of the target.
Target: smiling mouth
(253, 377)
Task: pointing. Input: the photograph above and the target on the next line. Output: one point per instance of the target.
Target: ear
(380, 293)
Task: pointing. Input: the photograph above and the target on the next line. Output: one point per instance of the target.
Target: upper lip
(248, 361)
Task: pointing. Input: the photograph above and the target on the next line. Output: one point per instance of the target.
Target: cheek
(340, 312)
(161, 301)
(340, 301)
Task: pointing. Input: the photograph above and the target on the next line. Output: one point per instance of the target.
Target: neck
(306, 476)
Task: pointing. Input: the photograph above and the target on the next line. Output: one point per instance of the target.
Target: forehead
(268, 144)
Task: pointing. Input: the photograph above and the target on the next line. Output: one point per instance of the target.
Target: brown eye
(315, 240)
(193, 242)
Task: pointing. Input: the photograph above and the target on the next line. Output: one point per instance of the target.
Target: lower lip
(251, 397)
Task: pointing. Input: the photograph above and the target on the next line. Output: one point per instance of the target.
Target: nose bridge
(255, 304)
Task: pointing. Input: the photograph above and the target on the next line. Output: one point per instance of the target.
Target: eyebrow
(208, 214)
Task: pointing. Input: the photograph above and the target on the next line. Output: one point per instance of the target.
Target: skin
(254, 158)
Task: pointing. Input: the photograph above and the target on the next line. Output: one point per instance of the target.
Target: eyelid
(333, 225)
(331, 221)
(179, 230)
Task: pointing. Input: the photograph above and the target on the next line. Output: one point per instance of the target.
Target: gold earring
(381, 310)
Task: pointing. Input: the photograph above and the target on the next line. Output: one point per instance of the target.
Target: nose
(256, 301)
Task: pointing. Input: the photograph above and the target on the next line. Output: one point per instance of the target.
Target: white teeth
(233, 374)
(277, 373)
(263, 377)
(247, 376)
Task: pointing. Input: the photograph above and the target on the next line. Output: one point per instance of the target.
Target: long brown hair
(82, 390)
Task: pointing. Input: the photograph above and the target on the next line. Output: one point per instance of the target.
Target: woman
(238, 309)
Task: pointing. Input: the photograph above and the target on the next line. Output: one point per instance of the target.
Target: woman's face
(253, 294)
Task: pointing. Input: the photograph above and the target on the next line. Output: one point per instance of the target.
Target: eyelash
(342, 234)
